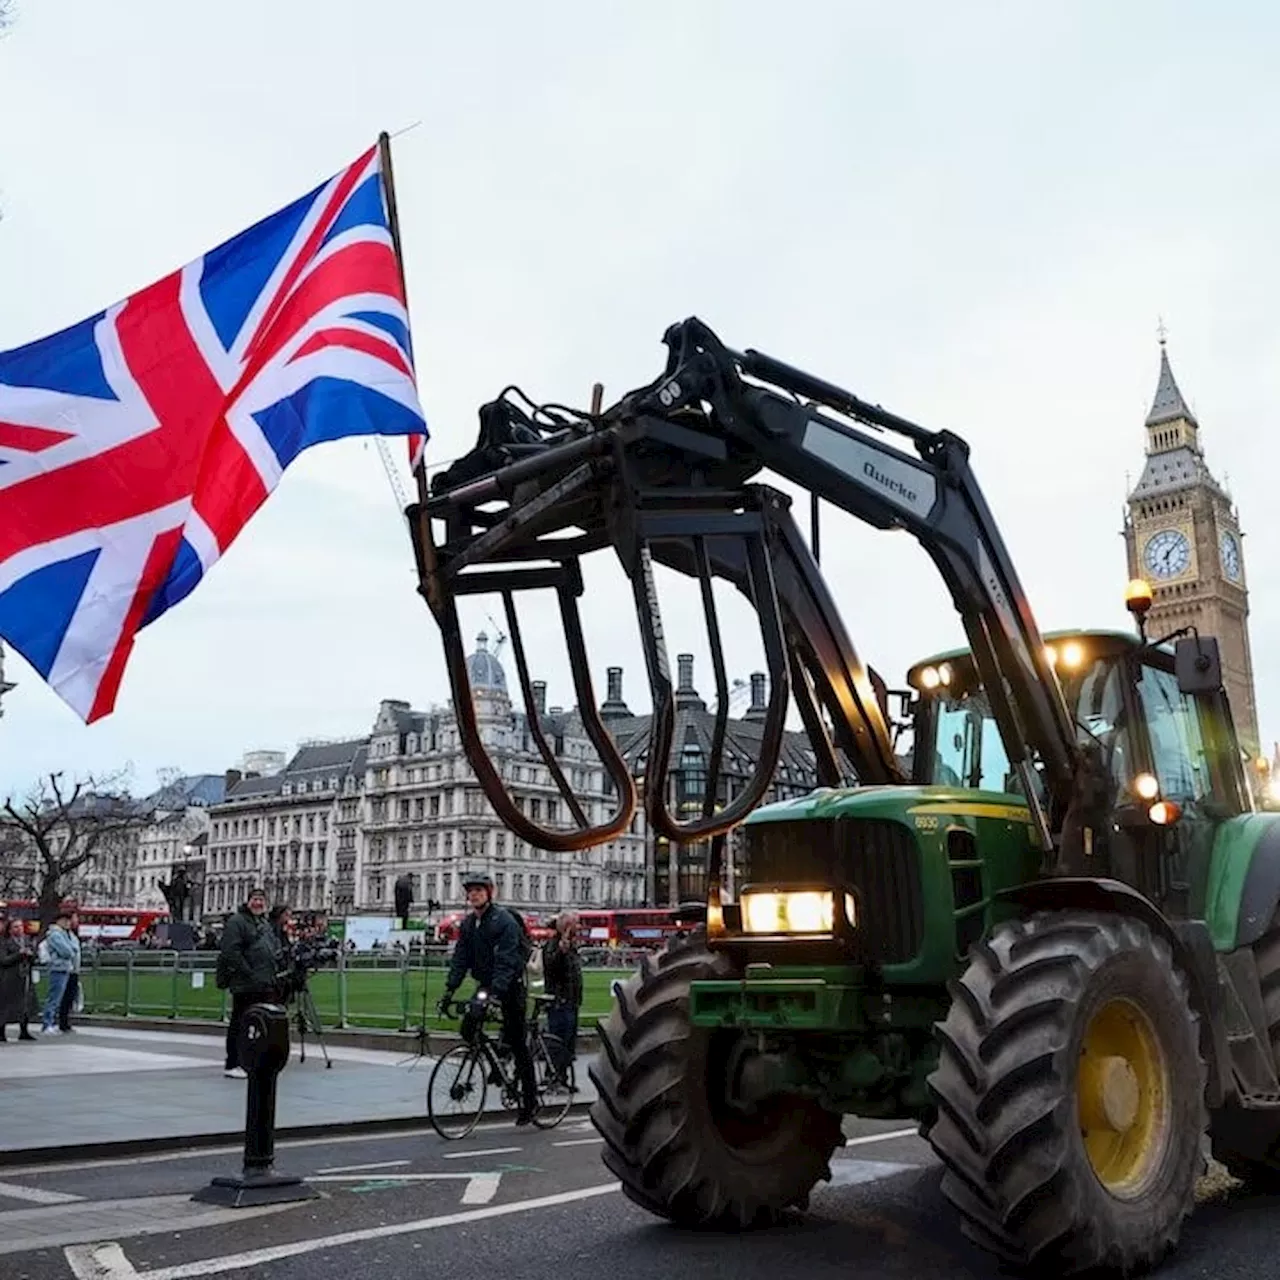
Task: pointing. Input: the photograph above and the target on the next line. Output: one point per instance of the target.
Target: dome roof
(484, 669)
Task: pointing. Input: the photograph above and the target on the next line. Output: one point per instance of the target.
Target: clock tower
(1182, 534)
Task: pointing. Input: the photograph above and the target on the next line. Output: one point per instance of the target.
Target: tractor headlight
(793, 911)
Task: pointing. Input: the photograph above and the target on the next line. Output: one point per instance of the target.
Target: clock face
(1231, 556)
(1167, 554)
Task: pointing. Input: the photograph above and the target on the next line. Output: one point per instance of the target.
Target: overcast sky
(972, 214)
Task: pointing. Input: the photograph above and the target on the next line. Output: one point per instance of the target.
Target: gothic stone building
(1182, 534)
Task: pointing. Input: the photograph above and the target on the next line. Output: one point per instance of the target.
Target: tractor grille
(876, 858)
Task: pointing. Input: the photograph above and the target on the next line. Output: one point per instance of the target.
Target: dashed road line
(361, 1168)
(488, 1151)
(578, 1142)
(105, 1260)
(882, 1137)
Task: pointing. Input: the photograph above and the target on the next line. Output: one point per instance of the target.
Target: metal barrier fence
(383, 990)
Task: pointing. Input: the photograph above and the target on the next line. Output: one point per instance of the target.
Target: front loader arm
(663, 476)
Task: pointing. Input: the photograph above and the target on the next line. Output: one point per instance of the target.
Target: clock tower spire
(1182, 534)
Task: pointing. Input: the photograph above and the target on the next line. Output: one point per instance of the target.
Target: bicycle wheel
(460, 1073)
(554, 1098)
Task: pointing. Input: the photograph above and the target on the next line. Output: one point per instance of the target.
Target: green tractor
(1065, 1044)
(1050, 938)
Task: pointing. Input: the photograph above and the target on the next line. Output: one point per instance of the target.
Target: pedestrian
(17, 992)
(488, 948)
(249, 967)
(562, 979)
(71, 992)
(64, 953)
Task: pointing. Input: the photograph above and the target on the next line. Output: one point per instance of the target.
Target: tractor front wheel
(680, 1150)
(1070, 1094)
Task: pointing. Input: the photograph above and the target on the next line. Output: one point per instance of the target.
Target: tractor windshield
(957, 743)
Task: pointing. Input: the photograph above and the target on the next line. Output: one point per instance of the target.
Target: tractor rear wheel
(671, 1138)
(1070, 1090)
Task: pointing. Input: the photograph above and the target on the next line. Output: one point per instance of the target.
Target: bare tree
(56, 834)
(7, 9)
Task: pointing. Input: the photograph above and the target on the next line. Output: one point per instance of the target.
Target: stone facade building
(338, 825)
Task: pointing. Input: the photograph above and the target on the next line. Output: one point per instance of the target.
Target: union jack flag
(137, 444)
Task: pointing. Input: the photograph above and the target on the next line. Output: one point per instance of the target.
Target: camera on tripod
(303, 958)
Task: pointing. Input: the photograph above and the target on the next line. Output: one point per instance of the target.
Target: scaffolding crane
(393, 476)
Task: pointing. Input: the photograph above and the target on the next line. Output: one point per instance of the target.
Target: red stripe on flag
(154, 573)
(345, 186)
(230, 488)
(380, 348)
(14, 435)
(152, 469)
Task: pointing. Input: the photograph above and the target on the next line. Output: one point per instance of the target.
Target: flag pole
(428, 585)
(393, 220)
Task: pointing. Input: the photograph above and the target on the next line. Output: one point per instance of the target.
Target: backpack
(527, 949)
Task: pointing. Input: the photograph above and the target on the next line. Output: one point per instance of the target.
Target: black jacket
(562, 973)
(250, 956)
(488, 947)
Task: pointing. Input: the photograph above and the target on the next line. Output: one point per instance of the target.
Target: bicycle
(467, 1071)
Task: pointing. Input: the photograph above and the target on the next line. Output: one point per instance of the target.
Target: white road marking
(489, 1151)
(578, 1142)
(99, 1262)
(360, 1168)
(882, 1137)
(261, 1257)
(35, 1195)
(482, 1188)
(848, 1173)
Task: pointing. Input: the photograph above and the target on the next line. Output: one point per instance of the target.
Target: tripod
(422, 1040)
(307, 1018)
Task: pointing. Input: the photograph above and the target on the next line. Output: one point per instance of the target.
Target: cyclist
(488, 948)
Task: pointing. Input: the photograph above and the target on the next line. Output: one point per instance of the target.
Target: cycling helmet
(478, 880)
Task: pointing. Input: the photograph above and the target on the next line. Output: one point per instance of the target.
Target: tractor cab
(1161, 728)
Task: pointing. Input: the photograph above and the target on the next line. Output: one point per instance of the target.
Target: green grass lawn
(385, 997)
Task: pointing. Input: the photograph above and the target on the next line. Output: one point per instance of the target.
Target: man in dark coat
(488, 948)
(249, 967)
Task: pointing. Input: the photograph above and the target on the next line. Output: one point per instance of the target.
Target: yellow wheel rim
(1122, 1096)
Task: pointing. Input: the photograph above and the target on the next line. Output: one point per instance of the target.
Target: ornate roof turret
(1168, 405)
(485, 670)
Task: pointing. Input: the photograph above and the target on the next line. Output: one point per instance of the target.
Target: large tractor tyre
(670, 1137)
(1070, 1090)
(1259, 1166)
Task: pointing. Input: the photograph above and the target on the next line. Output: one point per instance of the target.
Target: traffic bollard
(264, 1052)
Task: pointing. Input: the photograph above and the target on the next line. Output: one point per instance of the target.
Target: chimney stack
(686, 694)
(230, 778)
(757, 709)
(684, 662)
(613, 706)
(539, 696)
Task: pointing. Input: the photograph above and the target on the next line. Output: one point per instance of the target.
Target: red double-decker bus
(104, 925)
(628, 926)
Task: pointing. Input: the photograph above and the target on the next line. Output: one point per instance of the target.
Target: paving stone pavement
(113, 1085)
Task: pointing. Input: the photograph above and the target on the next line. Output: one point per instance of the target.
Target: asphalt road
(518, 1204)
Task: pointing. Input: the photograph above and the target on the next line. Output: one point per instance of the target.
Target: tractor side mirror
(1198, 664)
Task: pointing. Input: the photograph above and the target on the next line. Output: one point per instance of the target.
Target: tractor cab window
(1178, 754)
(1097, 700)
(968, 751)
